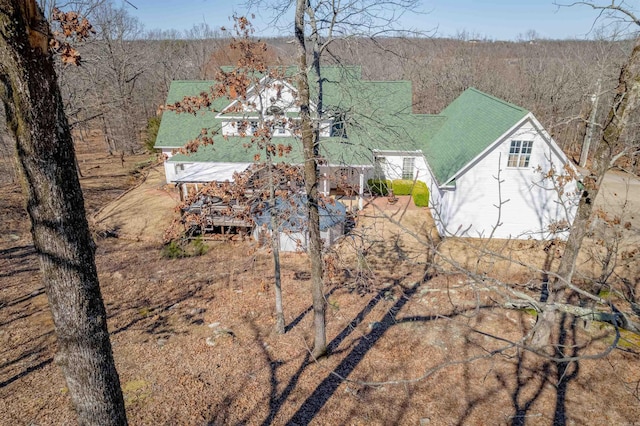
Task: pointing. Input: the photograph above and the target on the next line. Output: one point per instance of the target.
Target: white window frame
(519, 153)
(408, 168)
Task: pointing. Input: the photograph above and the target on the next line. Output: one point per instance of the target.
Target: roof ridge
(502, 101)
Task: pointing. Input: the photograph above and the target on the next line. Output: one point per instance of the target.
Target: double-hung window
(519, 154)
(408, 165)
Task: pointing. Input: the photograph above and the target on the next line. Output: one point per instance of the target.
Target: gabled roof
(468, 126)
(377, 112)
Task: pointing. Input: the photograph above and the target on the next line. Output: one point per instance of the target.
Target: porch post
(361, 190)
(324, 184)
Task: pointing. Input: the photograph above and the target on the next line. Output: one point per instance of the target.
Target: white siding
(170, 169)
(521, 206)
(283, 98)
(298, 241)
(276, 94)
(392, 166)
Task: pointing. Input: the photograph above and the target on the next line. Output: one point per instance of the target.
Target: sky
(490, 19)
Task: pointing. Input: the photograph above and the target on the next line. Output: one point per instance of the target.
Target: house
(483, 159)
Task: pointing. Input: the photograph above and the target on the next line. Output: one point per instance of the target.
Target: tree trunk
(310, 148)
(55, 205)
(275, 247)
(107, 137)
(591, 124)
(625, 105)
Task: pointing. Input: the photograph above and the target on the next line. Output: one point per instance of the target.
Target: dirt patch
(193, 338)
(144, 212)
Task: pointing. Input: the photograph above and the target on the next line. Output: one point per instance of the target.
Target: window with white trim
(408, 166)
(519, 154)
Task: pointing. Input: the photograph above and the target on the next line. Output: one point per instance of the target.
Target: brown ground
(193, 337)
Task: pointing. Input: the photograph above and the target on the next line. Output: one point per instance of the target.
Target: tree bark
(275, 247)
(310, 148)
(626, 104)
(61, 236)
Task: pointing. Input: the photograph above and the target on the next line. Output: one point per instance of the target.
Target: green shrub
(153, 124)
(420, 194)
(184, 248)
(379, 186)
(402, 186)
(418, 190)
(173, 250)
(199, 247)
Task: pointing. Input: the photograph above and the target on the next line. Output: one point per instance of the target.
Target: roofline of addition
(488, 149)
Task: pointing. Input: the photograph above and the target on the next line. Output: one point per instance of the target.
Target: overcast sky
(491, 19)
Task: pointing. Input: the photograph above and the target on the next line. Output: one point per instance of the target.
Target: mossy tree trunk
(45, 152)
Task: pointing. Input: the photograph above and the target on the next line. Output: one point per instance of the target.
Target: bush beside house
(379, 186)
(418, 190)
(420, 194)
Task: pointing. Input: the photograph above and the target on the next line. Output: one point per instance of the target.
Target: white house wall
(520, 206)
(171, 170)
(269, 96)
(299, 241)
(392, 166)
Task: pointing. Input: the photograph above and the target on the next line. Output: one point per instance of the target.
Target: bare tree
(317, 24)
(310, 140)
(55, 205)
(116, 64)
(251, 73)
(621, 120)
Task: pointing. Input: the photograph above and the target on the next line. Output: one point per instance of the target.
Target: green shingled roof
(379, 117)
(337, 151)
(370, 107)
(177, 129)
(471, 124)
